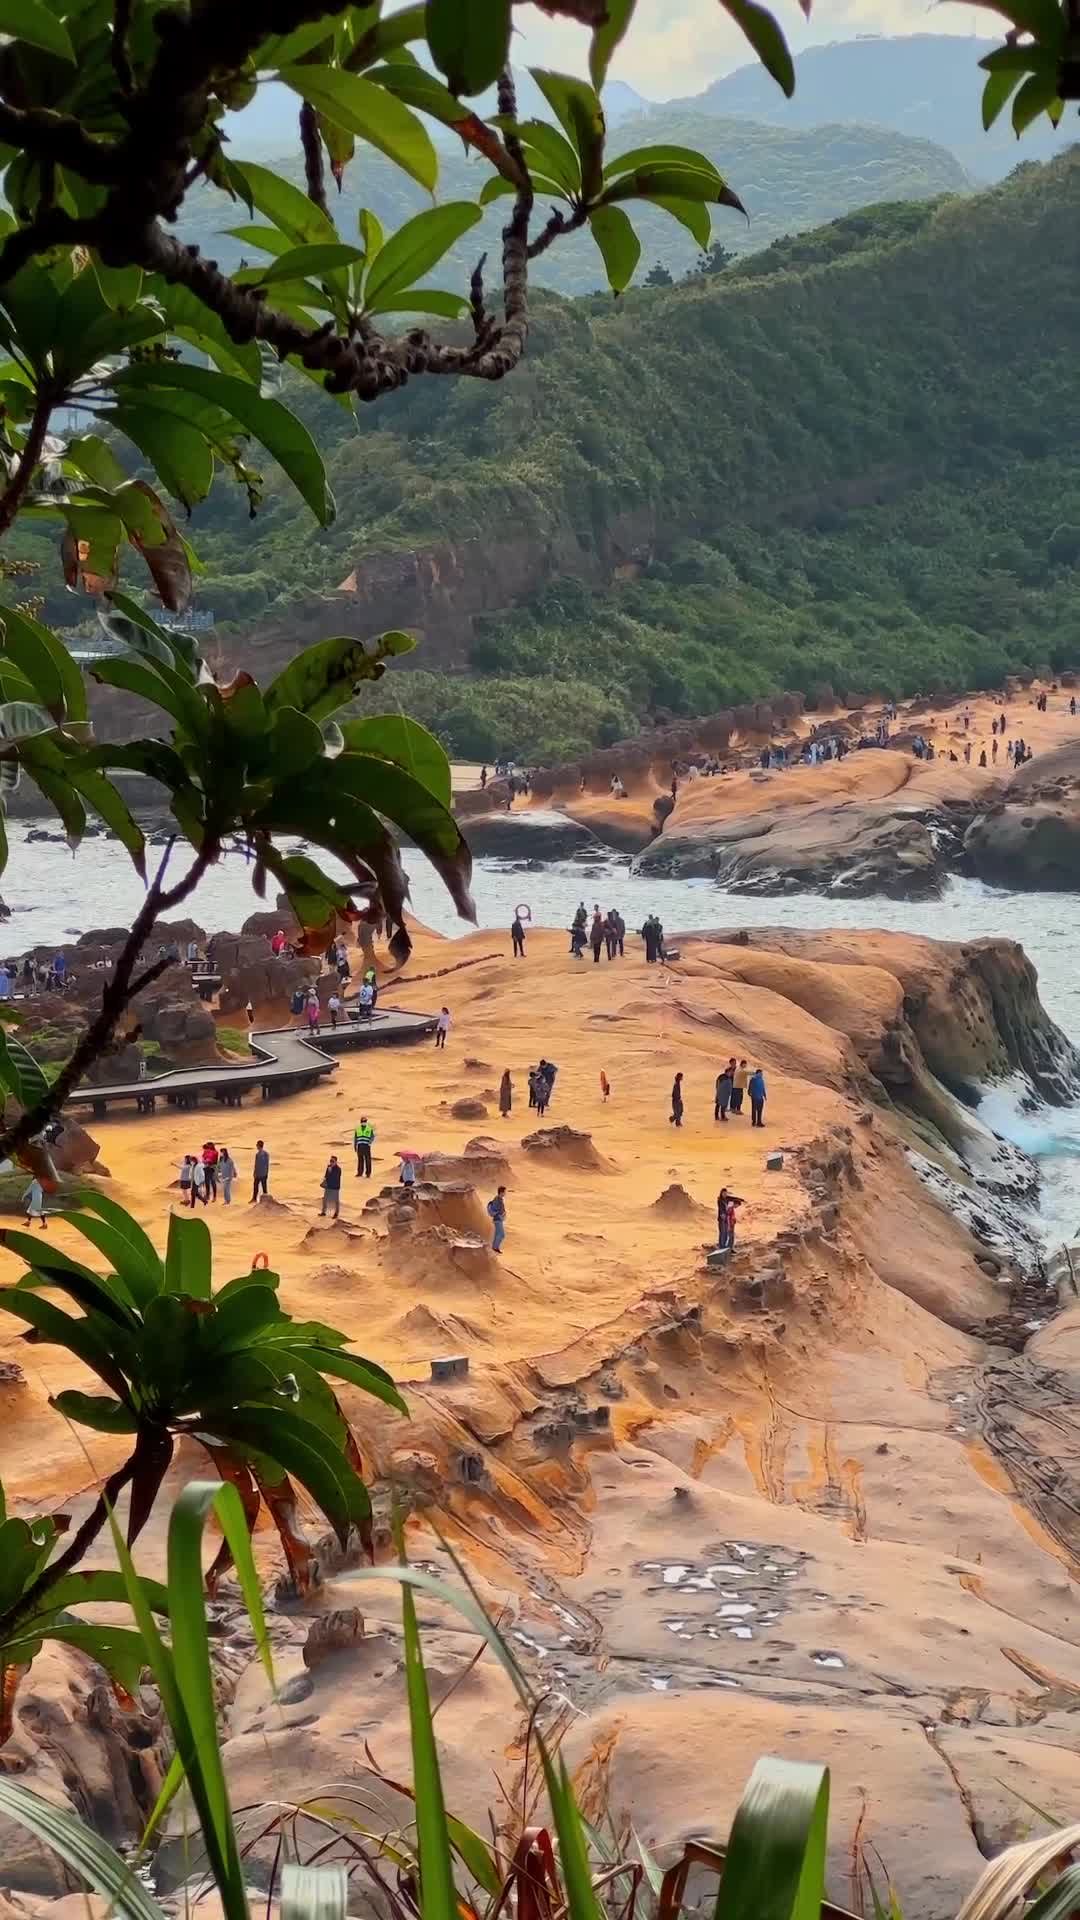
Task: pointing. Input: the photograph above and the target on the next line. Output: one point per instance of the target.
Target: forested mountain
(787, 180)
(925, 84)
(846, 458)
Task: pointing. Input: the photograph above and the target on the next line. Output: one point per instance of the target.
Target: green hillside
(849, 452)
(788, 179)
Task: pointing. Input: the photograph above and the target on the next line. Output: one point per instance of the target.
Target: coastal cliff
(763, 1479)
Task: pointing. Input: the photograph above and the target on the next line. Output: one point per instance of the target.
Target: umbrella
(408, 1153)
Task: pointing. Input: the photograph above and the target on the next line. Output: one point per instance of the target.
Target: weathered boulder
(269, 984)
(532, 834)
(1036, 846)
(469, 1109)
(184, 1029)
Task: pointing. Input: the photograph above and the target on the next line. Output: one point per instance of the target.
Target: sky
(677, 47)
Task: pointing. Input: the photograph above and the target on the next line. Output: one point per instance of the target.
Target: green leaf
(19, 721)
(996, 93)
(618, 243)
(234, 1322)
(372, 114)
(111, 807)
(767, 40)
(677, 183)
(307, 1454)
(133, 677)
(690, 214)
(371, 233)
(179, 645)
(81, 1850)
(287, 206)
(177, 452)
(116, 1649)
(283, 436)
(120, 286)
(37, 24)
(578, 110)
(95, 1410)
(188, 1257)
(448, 306)
(391, 736)
(659, 156)
(281, 49)
(298, 262)
(469, 44)
(325, 676)
(1058, 1901)
(776, 1851)
(1039, 94)
(606, 38)
(98, 1293)
(59, 1329)
(414, 249)
(549, 153)
(99, 1586)
(94, 457)
(20, 1072)
(438, 1899)
(359, 1373)
(46, 663)
(1043, 19)
(386, 788)
(133, 1253)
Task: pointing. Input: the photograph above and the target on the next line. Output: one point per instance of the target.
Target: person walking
(442, 1027)
(59, 967)
(186, 1196)
(483, 778)
(596, 935)
(725, 1081)
(226, 1173)
(739, 1079)
(517, 935)
(756, 1089)
(611, 938)
(331, 1188)
(199, 1187)
(577, 930)
(363, 1141)
(34, 1201)
(676, 1102)
(506, 1094)
(366, 998)
(497, 1212)
(260, 1173)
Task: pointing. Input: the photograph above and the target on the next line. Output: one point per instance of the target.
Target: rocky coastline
(834, 1479)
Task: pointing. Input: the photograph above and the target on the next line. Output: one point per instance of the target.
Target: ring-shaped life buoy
(523, 912)
(261, 1263)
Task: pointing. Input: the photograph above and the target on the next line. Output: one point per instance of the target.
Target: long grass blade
(313, 1893)
(775, 1864)
(438, 1899)
(80, 1849)
(1004, 1881)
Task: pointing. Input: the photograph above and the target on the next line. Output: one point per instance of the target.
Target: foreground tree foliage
(227, 1367)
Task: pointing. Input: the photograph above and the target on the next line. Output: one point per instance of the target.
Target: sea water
(55, 896)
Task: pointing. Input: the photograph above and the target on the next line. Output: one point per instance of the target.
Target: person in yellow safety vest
(363, 1140)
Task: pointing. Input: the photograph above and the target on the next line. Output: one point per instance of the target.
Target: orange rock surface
(827, 1518)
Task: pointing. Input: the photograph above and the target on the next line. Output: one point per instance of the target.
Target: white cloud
(677, 47)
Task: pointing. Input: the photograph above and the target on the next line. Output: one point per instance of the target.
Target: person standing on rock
(676, 1102)
(200, 1189)
(226, 1171)
(726, 1204)
(739, 1079)
(260, 1173)
(506, 1094)
(650, 935)
(517, 935)
(331, 1188)
(756, 1089)
(442, 1027)
(497, 1213)
(725, 1081)
(363, 1141)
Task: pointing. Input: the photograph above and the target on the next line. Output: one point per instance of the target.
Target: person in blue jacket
(755, 1087)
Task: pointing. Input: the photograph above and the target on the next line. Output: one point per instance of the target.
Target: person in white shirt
(442, 1027)
(333, 1007)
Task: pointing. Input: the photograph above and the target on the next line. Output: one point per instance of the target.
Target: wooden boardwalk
(288, 1060)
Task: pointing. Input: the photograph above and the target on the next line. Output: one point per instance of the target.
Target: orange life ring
(261, 1263)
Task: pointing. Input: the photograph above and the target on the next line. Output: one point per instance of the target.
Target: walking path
(288, 1061)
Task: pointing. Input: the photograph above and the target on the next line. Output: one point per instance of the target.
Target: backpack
(493, 1209)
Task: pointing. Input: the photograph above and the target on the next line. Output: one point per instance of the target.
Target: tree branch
(15, 492)
(115, 1000)
(60, 137)
(314, 171)
(557, 224)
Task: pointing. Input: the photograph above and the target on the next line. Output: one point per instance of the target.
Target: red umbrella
(408, 1153)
